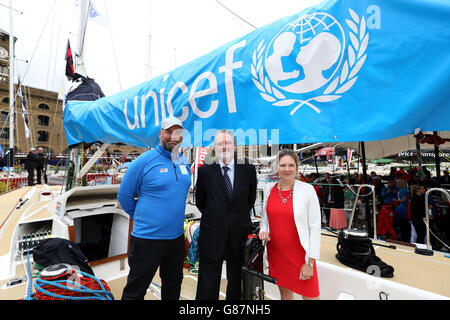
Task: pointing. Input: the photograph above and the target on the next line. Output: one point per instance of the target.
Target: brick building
(44, 114)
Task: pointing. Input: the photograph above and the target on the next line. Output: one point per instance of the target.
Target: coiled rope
(86, 287)
(70, 286)
(29, 279)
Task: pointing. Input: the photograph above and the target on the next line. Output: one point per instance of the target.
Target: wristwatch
(311, 264)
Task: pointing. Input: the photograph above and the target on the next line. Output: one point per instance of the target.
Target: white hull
(343, 283)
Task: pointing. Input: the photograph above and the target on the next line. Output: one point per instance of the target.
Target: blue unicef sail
(353, 70)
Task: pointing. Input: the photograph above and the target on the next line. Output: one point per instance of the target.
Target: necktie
(228, 185)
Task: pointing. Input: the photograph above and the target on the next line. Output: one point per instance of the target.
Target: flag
(349, 156)
(199, 160)
(95, 15)
(340, 71)
(24, 111)
(200, 155)
(70, 68)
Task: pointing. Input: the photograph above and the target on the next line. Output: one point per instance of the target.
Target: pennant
(95, 16)
(70, 68)
(24, 111)
(349, 156)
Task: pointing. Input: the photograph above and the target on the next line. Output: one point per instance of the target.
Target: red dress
(284, 251)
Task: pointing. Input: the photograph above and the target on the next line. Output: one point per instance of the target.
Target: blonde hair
(415, 188)
(401, 183)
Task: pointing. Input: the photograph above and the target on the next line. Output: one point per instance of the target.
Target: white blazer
(306, 215)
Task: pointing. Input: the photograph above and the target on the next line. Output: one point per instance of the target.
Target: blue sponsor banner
(354, 70)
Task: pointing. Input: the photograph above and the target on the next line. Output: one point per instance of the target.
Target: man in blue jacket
(160, 178)
(390, 192)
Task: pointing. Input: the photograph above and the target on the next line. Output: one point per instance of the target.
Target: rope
(37, 44)
(52, 36)
(86, 287)
(346, 185)
(13, 209)
(113, 46)
(358, 253)
(56, 50)
(232, 12)
(194, 268)
(29, 278)
(186, 263)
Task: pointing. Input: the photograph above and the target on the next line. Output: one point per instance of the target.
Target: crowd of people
(36, 162)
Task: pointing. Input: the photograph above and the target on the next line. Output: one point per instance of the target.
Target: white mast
(76, 154)
(79, 53)
(11, 88)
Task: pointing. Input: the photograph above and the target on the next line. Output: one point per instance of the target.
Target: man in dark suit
(31, 165)
(225, 194)
(41, 160)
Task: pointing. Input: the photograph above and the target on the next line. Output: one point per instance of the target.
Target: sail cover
(354, 70)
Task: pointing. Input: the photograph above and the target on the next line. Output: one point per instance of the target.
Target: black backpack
(56, 250)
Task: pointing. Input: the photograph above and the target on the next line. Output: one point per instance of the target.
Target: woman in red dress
(293, 240)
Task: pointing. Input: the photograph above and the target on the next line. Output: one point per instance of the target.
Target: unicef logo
(313, 44)
(309, 58)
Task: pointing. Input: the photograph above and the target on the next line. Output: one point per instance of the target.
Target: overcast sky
(117, 54)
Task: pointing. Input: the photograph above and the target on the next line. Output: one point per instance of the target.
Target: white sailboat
(79, 214)
(32, 214)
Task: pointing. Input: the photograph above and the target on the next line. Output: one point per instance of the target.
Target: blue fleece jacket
(161, 187)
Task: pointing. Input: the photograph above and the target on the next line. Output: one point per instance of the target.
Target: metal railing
(426, 211)
(374, 203)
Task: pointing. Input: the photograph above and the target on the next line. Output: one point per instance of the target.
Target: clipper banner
(353, 70)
